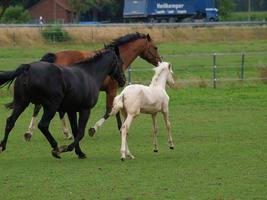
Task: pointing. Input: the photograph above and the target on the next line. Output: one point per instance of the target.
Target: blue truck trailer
(169, 10)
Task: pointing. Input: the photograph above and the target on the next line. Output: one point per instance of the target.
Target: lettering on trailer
(162, 8)
(169, 6)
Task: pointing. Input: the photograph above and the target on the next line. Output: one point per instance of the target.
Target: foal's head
(165, 68)
(117, 72)
(150, 52)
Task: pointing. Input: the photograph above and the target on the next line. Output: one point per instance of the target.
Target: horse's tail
(117, 104)
(49, 57)
(9, 76)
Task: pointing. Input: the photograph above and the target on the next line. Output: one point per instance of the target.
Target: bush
(55, 34)
(15, 15)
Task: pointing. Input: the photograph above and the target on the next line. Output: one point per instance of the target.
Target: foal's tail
(117, 104)
(49, 57)
(7, 77)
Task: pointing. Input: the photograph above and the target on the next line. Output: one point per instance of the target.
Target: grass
(220, 153)
(220, 141)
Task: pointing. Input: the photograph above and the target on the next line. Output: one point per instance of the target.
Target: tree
(14, 15)
(225, 8)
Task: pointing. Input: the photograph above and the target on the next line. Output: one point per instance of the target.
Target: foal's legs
(64, 126)
(74, 127)
(124, 130)
(43, 125)
(83, 118)
(10, 122)
(155, 132)
(29, 132)
(168, 126)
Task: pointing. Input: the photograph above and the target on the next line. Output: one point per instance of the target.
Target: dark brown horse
(131, 46)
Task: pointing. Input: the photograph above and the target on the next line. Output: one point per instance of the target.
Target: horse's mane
(126, 38)
(90, 60)
(158, 70)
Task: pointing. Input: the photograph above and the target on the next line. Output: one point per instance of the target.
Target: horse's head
(117, 72)
(150, 52)
(168, 70)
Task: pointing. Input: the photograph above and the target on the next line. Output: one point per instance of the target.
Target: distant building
(51, 10)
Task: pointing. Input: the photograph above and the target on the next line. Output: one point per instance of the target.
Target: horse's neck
(160, 82)
(130, 51)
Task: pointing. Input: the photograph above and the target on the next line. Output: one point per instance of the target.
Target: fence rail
(158, 25)
(210, 69)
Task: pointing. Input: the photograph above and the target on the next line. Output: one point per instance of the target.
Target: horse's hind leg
(64, 126)
(44, 128)
(18, 109)
(31, 127)
(168, 126)
(155, 132)
(124, 130)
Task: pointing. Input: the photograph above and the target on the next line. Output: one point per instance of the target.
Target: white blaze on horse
(136, 99)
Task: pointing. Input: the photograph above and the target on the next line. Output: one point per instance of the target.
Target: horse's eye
(156, 48)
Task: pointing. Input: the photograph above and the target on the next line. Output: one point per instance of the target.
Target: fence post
(130, 75)
(214, 71)
(14, 39)
(242, 66)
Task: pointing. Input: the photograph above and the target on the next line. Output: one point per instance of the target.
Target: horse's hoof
(156, 150)
(91, 132)
(130, 157)
(82, 156)
(1, 149)
(172, 148)
(55, 153)
(63, 148)
(122, 159)
(68, 136)
(27, 137)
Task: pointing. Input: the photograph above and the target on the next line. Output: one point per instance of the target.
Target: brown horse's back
(67, 58)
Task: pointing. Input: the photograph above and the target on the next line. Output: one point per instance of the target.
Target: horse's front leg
(83, 118)
(29, 132)
(110, 95)
(74, 127)
(49, 113)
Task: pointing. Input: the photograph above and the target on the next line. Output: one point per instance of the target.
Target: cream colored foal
(136, 99)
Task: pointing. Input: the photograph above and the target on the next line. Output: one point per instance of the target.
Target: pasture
(219, 136)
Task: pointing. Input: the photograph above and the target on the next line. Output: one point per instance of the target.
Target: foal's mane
(158, 71)
(126, 38)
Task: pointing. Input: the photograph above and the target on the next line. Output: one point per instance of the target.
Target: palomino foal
(136, 99)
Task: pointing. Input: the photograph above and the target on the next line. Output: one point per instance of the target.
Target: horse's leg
(155, 132)
(10, 122)
(83, 118)
(128, 153)
(74, 127)
(110, 95)
(64, 126)
(168, 126)
(43, 125)
(31, 127)
(124, 131)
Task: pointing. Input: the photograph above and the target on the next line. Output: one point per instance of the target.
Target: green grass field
(220, 144)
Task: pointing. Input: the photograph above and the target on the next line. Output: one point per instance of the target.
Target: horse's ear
(117, 50)
(148, 37)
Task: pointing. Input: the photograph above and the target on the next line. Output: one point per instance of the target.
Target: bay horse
(136, 99)
(130, 46)
(71, 90)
